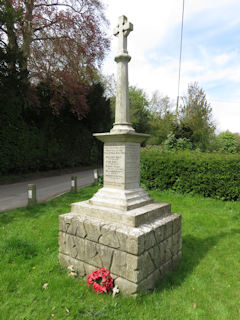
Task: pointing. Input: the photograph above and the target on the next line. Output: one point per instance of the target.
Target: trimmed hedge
(209, 174)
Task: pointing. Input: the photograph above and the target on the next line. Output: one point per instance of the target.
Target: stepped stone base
(138, 246)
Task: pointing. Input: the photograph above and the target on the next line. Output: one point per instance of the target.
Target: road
(14, 195)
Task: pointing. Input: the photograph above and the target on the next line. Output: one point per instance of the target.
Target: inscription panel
(121, 165)
(114, 164)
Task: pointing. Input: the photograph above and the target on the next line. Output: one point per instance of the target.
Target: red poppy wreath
(100, 280)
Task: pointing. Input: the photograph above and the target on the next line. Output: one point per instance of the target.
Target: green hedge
(35, 139)
(209, 174)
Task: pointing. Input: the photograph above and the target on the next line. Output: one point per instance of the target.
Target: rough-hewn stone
(133, 255)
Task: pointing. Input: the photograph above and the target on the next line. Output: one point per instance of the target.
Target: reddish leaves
(62, 40)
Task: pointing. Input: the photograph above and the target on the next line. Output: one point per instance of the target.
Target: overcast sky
(210, 56)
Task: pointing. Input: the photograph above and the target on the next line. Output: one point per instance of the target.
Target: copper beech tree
(63, 41)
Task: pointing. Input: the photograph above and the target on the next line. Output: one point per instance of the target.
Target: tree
(163, 120)
(195, 116)
(139, 113)
(227, 142)
(61, 40)
(237, 136)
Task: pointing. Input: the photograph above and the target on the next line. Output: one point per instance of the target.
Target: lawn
(205, 286)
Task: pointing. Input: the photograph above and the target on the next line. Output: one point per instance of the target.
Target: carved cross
(122, 31)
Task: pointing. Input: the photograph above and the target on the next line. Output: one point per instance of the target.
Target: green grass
(206, 285)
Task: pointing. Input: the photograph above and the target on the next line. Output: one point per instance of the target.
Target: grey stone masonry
(136, 256)
(121, 228)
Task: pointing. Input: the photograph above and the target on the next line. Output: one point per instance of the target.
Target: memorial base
(120, 228)
(137, 256)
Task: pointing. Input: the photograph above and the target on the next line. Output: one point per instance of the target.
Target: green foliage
(35, 139)
(139, 115)
(100, 181)
(39, 124)
(195, 116)
(13, 91)
(172, 143)
(237, 136)
(210, 175)
(163, 120)
(227, 142)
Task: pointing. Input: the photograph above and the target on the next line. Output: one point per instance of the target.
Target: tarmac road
(14, 195)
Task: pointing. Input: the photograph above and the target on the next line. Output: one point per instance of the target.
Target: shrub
(209, 174)
(227, 142)
(178, 144)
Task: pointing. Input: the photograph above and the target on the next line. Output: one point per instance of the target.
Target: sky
(210, 53)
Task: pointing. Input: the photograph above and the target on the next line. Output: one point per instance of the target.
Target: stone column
(122, 117)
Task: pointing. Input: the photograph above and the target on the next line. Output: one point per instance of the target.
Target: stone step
(132, 218)
(124, 200)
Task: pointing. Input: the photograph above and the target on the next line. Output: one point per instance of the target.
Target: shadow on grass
(59, 205)
(193, 251)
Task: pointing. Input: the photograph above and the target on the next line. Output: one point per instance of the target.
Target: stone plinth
(136, 256)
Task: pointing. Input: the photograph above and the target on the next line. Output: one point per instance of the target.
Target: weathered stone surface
(177, 222)
(168, 230)
(133, 218)
(109, 237)
(177, 242)
(120, 227)
(62, 241)
(156, 256)
(158, 229)
(125, 265)
(72, 224)
(128, 287)
(122, 116)
(106, 256)
(122, 165)
(121, 199)
(80, 228)
(80, 245)
(93, 230)
(64, 222)
(162, 249)
(169, 248)
(150, 282)
(92, 253)
(149, 240)
(167, 267)
(145, 266)
(131, 240)
(129, 253)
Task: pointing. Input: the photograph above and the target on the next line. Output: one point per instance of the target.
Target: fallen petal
(45, 286)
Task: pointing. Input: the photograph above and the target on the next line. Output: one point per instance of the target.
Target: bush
(211, 175)
(227, 142)
(178, 144)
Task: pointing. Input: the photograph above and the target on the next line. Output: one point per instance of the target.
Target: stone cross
(122, 117)
(122, 31)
